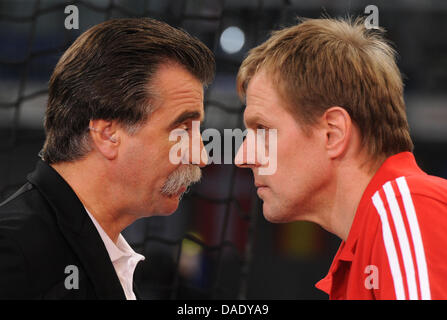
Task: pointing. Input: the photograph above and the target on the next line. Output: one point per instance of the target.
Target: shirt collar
(116, 250)
(398, 165)
(401, 164)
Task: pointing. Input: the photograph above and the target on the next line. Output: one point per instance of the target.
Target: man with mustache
(332, 90)
(114, 97)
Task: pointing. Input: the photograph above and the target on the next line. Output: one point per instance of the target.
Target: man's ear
(338, 125)
(104, 136)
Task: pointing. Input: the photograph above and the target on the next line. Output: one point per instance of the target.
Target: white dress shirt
(123, 257)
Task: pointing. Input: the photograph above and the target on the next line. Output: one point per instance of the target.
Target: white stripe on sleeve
(403, 241)
(416, 237)
(390, 248)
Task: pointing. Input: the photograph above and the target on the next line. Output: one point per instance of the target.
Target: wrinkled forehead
(174, 89)
(172, 80)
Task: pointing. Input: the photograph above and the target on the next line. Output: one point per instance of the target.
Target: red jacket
(397, 245)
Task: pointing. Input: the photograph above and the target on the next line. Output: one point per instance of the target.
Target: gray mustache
(184, 176)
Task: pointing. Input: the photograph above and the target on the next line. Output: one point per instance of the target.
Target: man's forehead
(177, 93)
(260, 89)
(260, 94)
(172, 78)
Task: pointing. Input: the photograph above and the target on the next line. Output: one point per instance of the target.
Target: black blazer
(43, 229)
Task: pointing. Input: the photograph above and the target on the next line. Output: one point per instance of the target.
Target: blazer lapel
(79, 230)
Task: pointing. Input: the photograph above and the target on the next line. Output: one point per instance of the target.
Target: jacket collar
(78, 229)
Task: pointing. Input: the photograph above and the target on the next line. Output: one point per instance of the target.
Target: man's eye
(185, 127)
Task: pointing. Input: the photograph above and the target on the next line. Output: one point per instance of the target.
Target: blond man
(333, 92)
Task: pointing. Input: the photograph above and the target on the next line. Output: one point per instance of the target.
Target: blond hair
(326, 62)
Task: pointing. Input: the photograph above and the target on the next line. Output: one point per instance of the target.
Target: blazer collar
(78, 229)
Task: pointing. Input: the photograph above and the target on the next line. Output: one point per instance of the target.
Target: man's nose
(246, 155)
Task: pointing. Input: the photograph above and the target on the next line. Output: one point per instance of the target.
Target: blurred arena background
(217, 245)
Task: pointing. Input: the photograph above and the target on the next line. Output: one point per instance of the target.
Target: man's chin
(172, 201)
(273, 215)
(169, 206)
